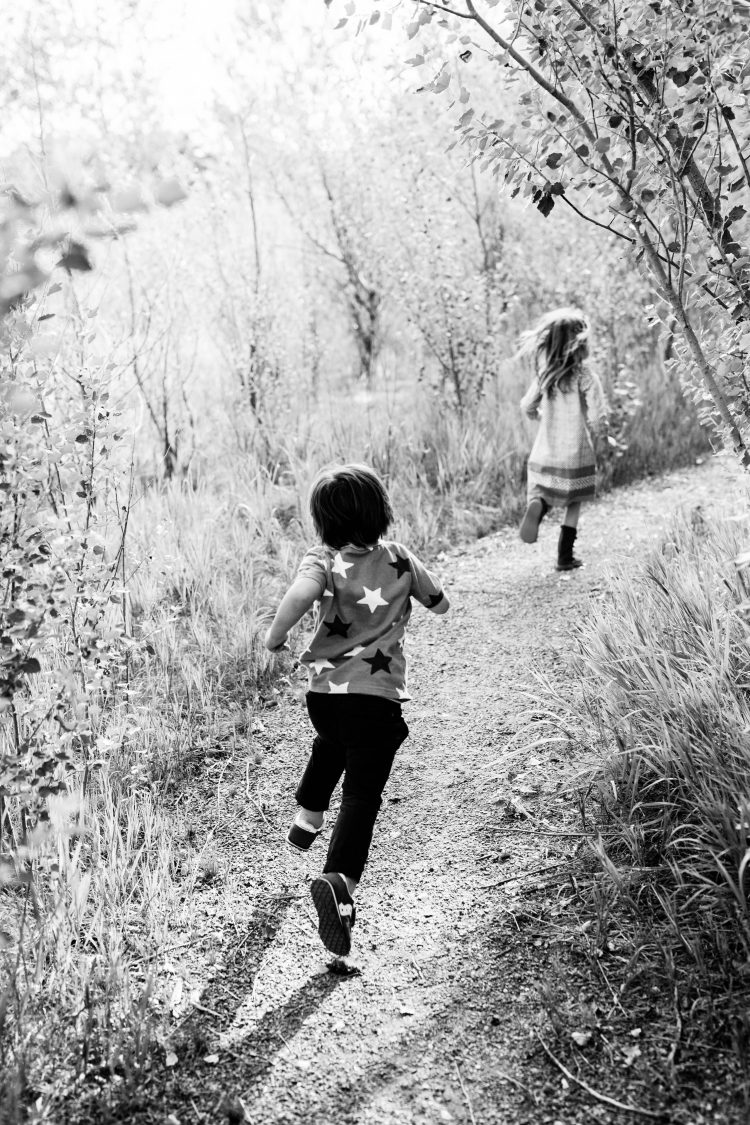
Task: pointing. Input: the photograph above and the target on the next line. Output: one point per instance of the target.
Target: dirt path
(438, 1023)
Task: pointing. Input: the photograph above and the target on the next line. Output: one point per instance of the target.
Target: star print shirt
(365, 603)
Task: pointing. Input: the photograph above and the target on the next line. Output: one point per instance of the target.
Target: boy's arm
(294, 605)
(426, 588)
(442, 606)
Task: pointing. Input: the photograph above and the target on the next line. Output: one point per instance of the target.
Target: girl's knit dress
(562, 466)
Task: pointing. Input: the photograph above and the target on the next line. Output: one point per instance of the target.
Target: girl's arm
(294, 605)
(597, 410)
(530, 401)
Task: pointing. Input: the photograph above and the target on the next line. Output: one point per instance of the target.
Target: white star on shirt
(339, 566)
(338, 689)
(319, 665)
(327, 594)
(355, 651)
(372, 599)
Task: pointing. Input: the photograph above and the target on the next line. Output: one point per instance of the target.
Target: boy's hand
(274, 645)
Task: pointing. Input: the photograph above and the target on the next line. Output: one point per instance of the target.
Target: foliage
(646, 107)
(55, 593)
(65, 648)
(62, 505)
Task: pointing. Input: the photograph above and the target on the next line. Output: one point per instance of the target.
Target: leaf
(680, 77)
(129, 200)
(554, 158)
(31, 665)
(544, 200)
(441, 81)
(76, 258)
(342, 23)
(211, 1059)
(602, 144)
(581, 1038)
(412, 29)
(170, 192)
(171, 1059)
(736, 214)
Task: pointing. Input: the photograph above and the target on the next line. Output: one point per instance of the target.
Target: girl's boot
(566, 560)
(535, 512)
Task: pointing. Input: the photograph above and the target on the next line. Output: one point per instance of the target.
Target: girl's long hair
(559, 343)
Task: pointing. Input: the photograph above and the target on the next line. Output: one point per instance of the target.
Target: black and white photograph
(375, 562)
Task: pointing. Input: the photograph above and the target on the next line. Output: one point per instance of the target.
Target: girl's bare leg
(572, 512)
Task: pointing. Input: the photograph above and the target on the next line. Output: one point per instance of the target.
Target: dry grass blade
(465, 1093)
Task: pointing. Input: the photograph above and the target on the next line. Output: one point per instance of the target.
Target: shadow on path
(239, 1067)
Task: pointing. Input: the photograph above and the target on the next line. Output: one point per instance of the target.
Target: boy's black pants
(357, 736)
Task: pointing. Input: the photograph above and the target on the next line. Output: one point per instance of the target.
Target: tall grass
(664, 672)
(82, 940)
(661, 433)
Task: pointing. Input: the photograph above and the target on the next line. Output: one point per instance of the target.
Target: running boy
(363, 586)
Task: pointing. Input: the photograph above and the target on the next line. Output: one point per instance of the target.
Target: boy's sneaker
(535, 513)
(301, 837)
(336, 912)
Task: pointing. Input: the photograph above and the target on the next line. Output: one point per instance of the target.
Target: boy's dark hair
(350, 504)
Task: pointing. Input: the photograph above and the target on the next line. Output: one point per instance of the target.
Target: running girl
(568, 399)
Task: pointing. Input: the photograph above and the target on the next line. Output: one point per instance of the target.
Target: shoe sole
(568, 566)
(529, 529)
(332, 931)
